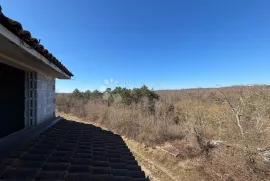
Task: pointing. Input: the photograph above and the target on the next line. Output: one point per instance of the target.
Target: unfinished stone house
(27, 79)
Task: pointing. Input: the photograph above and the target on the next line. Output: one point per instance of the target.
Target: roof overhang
(16, 53)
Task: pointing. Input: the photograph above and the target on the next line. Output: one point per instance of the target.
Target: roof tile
(16, 28)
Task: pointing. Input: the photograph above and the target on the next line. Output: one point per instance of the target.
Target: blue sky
(165, 44)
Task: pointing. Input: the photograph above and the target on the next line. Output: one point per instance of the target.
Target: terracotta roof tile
(17, 29)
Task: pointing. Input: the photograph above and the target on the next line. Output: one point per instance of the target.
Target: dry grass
(134, 122)
(188, 119)
(158, 165)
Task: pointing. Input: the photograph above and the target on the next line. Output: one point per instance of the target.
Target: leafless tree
(237, 109)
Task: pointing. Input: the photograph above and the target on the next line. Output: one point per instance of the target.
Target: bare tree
(237, 110)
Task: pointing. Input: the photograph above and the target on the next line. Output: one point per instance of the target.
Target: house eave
(15, 52)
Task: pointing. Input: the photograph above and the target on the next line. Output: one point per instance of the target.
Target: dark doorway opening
(11, 100)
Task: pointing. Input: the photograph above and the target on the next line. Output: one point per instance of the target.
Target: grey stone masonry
(45, 98)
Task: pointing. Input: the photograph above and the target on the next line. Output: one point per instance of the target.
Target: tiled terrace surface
(72, 151)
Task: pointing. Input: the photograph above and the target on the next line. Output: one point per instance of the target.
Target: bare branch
(226, 99)
(237, 111)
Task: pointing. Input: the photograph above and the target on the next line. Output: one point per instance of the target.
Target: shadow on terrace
(75, 151)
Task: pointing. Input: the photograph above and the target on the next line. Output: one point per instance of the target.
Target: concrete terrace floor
(74, 151)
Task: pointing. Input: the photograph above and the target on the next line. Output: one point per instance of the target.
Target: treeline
(119, 94)
(86, 95)
(75, 101)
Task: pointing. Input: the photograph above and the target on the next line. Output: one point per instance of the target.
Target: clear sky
(165, 44)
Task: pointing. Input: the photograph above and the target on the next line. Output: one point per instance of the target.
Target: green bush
(135, 95)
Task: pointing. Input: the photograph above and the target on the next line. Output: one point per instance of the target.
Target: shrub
(239, 116)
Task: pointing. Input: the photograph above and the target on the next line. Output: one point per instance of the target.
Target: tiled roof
(72, 151)
(17, 29)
